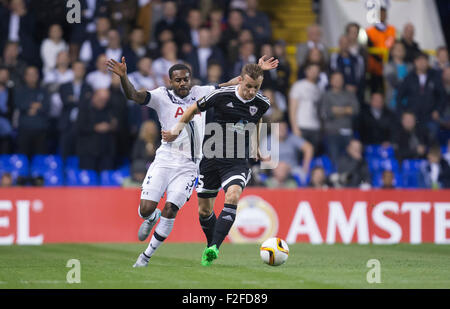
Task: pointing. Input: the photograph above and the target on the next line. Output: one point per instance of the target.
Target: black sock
(224, 223)
(208, 224)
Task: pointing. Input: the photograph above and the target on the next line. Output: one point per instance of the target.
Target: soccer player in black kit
(238, 111)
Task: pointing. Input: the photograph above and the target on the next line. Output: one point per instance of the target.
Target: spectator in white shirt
(54, 78)
(114, 49)
(96, 44)
(101, 78)
(162, 65)
(303, 106)
(143, 79)
(51, 47)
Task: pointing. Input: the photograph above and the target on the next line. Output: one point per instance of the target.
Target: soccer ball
(274, 251)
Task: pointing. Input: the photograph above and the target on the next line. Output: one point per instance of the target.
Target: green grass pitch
(177, 266)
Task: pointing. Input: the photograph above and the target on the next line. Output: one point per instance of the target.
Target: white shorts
(178, 182)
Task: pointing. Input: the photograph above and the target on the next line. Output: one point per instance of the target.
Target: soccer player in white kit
(176, 165)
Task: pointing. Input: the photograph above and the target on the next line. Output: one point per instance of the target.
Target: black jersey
(237, 118)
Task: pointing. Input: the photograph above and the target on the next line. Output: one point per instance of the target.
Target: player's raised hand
(267, 63)
(119, 68)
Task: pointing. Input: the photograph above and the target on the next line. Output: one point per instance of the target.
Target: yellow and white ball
(274, 251)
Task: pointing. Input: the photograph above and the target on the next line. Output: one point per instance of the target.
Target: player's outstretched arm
(264, 62)
(121, 70)
(170, 136)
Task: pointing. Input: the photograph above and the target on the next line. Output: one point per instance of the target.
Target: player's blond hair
(252, 70)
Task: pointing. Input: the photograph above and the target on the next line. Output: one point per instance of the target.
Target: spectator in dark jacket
(169, 21)
(6, 111)
(74, 95)
(352, 167)
(436, 172)
(119, 106)
(32, 101)
(229, 40)
(96, 126)
(13, 63)
(96, 44)
(377, 124)
(411, 46)
(203, 54)
(424, 94)
(19, 25)
(351, 67)
(257, 21)
(411, 141)
(144, 149)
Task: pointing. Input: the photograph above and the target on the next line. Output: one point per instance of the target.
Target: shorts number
(200, 183)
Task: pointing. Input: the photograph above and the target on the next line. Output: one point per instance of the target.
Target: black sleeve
(147, 98)
(207, 102)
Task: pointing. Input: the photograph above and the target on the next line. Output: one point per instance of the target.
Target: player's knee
(170, 210)
(232, 195)
(204, 207)
(146, 207)
(204, 211)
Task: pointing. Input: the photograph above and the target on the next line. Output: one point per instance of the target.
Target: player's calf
(232, 194)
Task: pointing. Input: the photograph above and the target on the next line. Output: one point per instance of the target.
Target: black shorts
(217, 173)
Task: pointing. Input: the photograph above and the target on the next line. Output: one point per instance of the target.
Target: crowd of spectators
(57, 96)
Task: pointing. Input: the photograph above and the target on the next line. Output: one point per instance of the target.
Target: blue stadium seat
(378, 151)
(44, 163)
(72, 162)
(16, 164)
(371, 151)
(71, 176)
(87, 178)
(378, 165)
(325, 163)
(113, 178)
(411, 173)
(53, 178)
(386, 152)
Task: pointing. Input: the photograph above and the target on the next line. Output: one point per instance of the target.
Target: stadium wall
(34, 216)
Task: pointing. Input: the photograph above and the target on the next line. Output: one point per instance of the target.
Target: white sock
(161, 232)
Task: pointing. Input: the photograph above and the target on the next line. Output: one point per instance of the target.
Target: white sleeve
(203, 91)
(295, 92)
(86, 52)
(155, 98)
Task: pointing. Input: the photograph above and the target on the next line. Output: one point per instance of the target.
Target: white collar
(236, 92)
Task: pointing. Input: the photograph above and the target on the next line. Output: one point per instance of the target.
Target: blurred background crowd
(348, 117)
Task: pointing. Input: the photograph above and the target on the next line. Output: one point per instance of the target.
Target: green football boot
(209, 255)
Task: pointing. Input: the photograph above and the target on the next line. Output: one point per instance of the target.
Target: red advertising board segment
(51, 215)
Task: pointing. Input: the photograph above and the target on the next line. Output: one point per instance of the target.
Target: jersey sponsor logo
(256, 220)
(239, 127)
(253, 110)
(179, 112)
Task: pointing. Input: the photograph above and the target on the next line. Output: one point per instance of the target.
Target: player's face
(181, 83)
(249, 87)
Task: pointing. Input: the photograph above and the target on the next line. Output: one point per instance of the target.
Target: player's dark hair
(252, 70)
(178, 67)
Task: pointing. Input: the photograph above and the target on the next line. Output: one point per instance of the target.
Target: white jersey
(170, 108)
